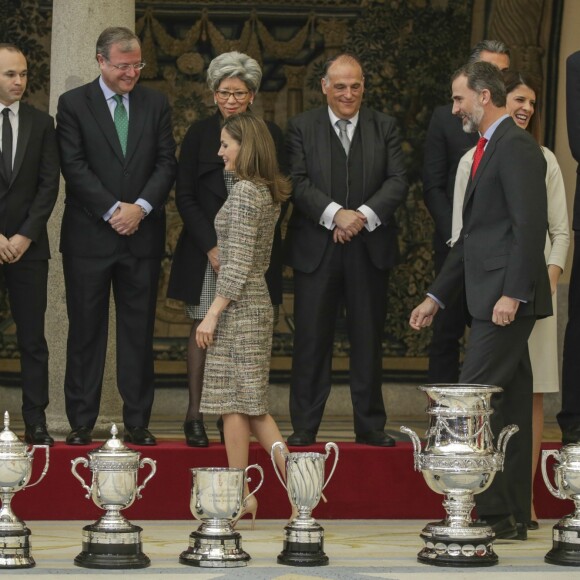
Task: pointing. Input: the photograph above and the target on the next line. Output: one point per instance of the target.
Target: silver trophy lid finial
(8, 437)
(6, 421)
(114, 431)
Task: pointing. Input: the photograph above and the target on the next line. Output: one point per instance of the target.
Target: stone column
(75, 29)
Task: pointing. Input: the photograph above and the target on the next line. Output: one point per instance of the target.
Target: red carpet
(369, 482)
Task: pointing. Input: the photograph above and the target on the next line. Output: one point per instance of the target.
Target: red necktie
(478, 155)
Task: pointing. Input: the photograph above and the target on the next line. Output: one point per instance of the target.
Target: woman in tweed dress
(237, 330)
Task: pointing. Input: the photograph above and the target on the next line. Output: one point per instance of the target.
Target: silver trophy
(303, 535)
(459, 461)
(566, 533)
(15, 472)
(112, 542)
(217, 500)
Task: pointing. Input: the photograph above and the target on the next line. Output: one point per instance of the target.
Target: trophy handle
(280, 446)
(556, 455)
(153, 465)
(416, 445)
(46, 462)
(248, 479)
(73, 468)
(505, 436)
(328, 447)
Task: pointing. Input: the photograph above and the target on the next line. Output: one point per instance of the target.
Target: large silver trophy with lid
(459, 461)
(303, 535)
(217, 500)
(15, 472)
(112, 542)
(566, 533)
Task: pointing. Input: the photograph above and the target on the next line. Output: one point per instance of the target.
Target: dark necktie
(343, 135)
(7, 144)
(479, 150)
(121, 122)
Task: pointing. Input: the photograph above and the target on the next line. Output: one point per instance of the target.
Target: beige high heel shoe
(250, 507)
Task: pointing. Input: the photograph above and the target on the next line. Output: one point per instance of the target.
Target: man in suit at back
(499, 262)
(118, 161)
(29, 179)
(445, 144)
(348, 174)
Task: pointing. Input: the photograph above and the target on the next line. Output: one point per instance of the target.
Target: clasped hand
(126, 218)
(13, 248)
(348, 224)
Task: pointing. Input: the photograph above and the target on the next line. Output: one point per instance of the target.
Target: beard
(472, 120)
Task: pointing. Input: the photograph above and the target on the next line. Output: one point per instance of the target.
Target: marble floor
(358, 550)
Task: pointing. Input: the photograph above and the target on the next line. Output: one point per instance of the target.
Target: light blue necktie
(343, 135)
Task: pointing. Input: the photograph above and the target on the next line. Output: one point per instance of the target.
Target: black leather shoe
(302, 438)
(378, 438)
(195, 435)
(571, 435)
(506, 527)
(79, 436)
(533, 525)
(139, 436)
(37, 435)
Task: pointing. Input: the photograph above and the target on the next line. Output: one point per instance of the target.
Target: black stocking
(195, 367)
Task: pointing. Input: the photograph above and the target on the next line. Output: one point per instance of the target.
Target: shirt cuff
(373, 221)
(145, 205)
(327, 217)
(439, 303)
(110, 213)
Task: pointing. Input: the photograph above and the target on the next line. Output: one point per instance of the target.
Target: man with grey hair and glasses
(118, 161)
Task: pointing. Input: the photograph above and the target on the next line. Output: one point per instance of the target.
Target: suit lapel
(137, 116)
(98, 106)
(368, 150)
(322, 143)
(24, 131)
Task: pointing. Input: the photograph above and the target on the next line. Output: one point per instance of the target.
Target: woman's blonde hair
(256, 160)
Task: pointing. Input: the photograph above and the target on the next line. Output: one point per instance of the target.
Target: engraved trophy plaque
(566, 533)
(303, 535)
(217, 500)
(15, 472)
(112, 542)
(459, 461)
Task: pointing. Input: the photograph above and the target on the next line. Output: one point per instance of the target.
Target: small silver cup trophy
(15, 472)
(217, 500)
(112, 542)
(303, 535)
(459, 461)
(566, 533)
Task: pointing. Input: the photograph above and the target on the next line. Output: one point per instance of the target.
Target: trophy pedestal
(111, 549)
(15, 549)
(303, 544)
(214, 550)
(461, 547)
(565, 546)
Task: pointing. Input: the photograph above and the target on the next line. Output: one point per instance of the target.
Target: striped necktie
(121, 122)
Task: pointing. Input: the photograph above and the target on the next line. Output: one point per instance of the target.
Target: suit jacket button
(466, 236)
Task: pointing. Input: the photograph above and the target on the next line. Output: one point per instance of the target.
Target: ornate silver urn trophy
(303, 535)
(15, 472)
(217, 500)
(459, 461)
(566, 533)
(112, 542)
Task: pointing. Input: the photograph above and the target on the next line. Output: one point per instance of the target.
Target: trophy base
(112, 550)
(15, 549)
(565, 546)
(303, 545)
(214, 551)
(467, 547)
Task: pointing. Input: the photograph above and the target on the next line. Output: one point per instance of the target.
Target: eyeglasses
(238, 95)
(127, 67)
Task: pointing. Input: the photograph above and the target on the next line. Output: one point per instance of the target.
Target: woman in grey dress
(237, 329)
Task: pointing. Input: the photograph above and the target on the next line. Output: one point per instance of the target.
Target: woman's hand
(554, 273)
(205, 330)
(214, 259)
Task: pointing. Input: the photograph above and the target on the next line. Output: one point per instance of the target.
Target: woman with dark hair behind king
(202, 188)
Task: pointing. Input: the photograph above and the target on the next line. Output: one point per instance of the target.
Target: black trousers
(448, 330)
(345, 276)
(569, 416)
(498, 355)
(26, 282)
(88, 283)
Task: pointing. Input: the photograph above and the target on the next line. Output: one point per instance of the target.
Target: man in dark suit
(349, 178)
(29, 179)
(118, 160)
(499, 262)
(569, 416)
(445, 144)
